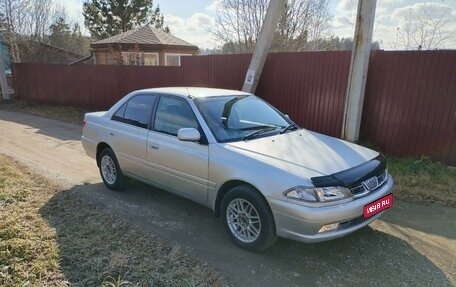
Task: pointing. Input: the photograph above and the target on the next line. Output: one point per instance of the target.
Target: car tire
(110, 171)
(248, 219)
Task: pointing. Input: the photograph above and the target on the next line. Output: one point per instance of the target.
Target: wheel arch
(227, 186)
(101, 146)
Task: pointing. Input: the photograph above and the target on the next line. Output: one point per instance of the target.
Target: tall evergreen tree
(64, 36)
(105, 18)
(60, 33)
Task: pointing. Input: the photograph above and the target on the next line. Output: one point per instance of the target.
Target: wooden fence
(409, 109)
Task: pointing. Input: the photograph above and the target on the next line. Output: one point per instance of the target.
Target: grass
(50, 237)
(67, 114)
(422, 179)
(28, 251)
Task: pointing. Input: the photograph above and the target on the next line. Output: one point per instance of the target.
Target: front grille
(363, 188)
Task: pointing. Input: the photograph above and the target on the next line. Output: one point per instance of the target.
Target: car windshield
(233, 118)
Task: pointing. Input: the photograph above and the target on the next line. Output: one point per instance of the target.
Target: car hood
(323, 155)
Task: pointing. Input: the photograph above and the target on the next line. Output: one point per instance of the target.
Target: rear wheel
(248, 219)
(110, 172)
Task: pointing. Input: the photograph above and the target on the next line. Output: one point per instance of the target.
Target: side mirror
(287, 116)
(188, 134)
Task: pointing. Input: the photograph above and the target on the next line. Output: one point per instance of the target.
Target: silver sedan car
(231, 151)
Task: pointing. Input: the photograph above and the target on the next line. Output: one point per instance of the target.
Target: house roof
(145, 35)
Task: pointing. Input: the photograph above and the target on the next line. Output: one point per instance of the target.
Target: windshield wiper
(293, 126)
(258, 132)
(260, 127)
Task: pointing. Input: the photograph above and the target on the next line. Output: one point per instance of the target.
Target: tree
(13, 14)
(424, 26)
(238, 24)
(26, 22)
(80, 43)
(60, 33)
(302, 23)
(334, 43)
(69, 38)
(105, 18)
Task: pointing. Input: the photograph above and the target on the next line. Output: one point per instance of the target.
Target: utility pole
(3, 82)
(263, 44)
(358, 69)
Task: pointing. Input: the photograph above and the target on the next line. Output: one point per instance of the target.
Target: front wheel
(110, 171)
(248, 219)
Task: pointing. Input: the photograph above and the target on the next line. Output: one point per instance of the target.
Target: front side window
(173, 114)
(137, 111)
(233, 118)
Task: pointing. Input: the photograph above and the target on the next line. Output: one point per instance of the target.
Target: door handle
(153, 146)
(112, 134)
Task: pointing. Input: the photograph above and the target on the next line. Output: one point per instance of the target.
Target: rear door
(177, 165)
(129, 129)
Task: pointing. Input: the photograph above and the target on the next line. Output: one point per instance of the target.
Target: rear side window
(137, 111)
(118, 116)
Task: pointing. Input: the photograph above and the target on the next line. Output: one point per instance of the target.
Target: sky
(194, 20)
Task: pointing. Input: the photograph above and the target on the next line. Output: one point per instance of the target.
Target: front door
(177, 165)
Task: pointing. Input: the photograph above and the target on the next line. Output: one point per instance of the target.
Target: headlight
(302, 193)
(327, 194)
(318, 194)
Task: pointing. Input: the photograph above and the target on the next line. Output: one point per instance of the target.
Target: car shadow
(427, 217)
(45, 126)
(364, 258)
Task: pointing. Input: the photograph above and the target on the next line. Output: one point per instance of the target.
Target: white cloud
(74, 11)
(383, 7)
(385, 35)
(429, 8)
(386, 5)
(200, 21)
(347, 6)
(341, 21)
(174, 22)
(215, 5)
(197, 29)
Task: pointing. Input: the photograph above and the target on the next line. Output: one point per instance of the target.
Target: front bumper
(302, 223)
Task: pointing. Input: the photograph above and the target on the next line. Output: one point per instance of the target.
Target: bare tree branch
(424, 29)
(238, 24)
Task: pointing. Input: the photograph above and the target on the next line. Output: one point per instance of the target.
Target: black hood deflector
(354, 176)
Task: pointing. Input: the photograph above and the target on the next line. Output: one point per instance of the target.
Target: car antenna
(189, 95)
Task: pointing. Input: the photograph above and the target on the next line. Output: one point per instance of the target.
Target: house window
(174, 59)
(151, 59)
(140, 59)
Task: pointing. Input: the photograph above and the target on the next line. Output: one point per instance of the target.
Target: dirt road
(413, 244)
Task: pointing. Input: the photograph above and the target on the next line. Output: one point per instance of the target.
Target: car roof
(195, 92)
